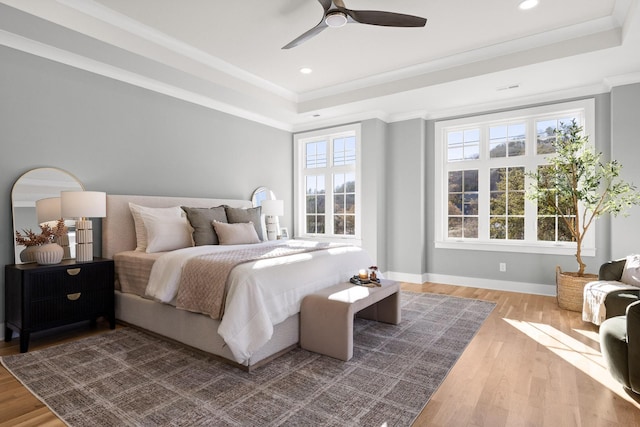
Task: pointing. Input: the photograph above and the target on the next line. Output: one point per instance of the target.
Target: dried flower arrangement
(47, 234)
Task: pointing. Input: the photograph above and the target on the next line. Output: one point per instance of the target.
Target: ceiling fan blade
(339, 3)
(306, 36)
(326, 4)
(386, 19)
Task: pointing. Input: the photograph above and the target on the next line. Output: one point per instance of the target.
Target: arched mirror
(37, 184)
(260, 194)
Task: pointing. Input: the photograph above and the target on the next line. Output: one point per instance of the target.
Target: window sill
(519, 247)
(331, 239)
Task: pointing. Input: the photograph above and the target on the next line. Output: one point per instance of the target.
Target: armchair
(616, 302)
(620, 346)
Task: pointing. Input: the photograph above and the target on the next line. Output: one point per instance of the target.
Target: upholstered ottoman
(326, 317)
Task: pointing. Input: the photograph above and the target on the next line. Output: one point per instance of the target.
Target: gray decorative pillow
(238, 215)
(201, 219)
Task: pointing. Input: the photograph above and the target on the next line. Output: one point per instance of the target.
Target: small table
(326, 317)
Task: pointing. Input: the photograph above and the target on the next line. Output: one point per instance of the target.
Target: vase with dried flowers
(40, 247)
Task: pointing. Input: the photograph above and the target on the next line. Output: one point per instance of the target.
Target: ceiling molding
(87, 35)
(622, 80)
(600, 27)
(138, 29)
(52, 53)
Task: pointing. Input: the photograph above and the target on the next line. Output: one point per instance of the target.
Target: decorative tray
(365, 282)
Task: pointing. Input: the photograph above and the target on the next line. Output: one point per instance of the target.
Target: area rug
(128, 378)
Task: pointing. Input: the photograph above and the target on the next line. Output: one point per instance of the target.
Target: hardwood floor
(531, 364)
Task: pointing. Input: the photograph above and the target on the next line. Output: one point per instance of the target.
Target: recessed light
(508, 87)
(306, 70)
(527, 4)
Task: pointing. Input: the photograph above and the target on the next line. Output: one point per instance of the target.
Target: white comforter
(261, 293)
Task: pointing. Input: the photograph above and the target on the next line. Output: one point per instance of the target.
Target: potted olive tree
(577, 187)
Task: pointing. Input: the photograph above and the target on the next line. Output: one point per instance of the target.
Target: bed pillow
(201, 219)
(167, 233)
(631, 272)
(141, 232)
(236, 234)
(241, 215)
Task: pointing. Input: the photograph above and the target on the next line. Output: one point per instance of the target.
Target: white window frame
(299, 141)
(585, 109)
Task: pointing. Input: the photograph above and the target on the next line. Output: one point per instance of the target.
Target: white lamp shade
(48, 209)
(83, 204)
(273, 207)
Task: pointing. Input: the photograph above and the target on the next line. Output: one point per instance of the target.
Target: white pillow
(631, 272)
(141, 232)
(167, 233)
(236, 234)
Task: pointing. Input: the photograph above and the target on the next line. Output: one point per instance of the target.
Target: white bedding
(261, 293)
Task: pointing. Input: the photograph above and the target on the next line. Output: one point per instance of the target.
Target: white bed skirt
(197, 330)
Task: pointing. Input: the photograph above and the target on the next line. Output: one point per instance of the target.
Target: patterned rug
(128, 378)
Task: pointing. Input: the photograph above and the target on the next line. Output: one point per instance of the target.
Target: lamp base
(84, 240)
(272, 227)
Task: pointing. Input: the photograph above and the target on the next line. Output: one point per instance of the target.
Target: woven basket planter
(570, 289)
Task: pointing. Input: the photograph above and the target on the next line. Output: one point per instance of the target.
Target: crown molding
(138, 29)
(42, 50)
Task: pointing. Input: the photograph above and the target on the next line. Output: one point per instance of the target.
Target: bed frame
(195, 330)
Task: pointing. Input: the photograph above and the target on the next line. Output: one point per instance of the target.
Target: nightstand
(39, 297)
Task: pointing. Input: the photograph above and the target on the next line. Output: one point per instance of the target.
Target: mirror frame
(39, 188)
(257, 196)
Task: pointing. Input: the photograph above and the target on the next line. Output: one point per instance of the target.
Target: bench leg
(327, 327)
(386, 310)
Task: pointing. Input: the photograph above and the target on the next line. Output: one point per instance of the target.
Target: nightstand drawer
(68, 308)
(53, 284)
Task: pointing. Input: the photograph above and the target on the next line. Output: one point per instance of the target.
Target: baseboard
(2, 331)
(474, 282)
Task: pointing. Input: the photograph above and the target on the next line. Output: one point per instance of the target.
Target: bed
(271, 285)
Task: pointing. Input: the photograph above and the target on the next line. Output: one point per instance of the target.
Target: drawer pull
(73, 271)
(74, 297)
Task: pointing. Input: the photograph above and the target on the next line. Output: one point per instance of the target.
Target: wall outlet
(503, 267)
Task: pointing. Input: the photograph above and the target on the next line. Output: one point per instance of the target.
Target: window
(327, 183)
(482, 173)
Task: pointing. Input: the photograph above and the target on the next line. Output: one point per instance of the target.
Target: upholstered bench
(326, 317)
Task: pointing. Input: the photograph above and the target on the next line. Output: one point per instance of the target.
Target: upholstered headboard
(118, 230)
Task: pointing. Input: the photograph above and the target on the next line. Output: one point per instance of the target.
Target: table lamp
(82, 205)
(272, 209)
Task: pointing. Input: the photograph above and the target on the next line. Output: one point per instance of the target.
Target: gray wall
(406, 197)
(625, 137)
(374, 179)
(126, 140)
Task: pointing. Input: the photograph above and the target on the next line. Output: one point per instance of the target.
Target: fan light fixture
(336, 19)
(527, 4)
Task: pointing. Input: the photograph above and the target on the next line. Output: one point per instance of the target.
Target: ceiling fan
(337, 15)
